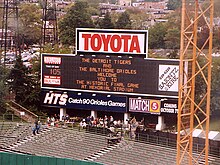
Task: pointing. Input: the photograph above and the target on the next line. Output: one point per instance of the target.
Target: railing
(165, 139)
(18, 109)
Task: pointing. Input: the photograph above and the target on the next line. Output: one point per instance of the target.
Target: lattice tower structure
(194, 80)
(9, 38)
(49, 23)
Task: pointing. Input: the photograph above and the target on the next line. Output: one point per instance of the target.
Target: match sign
(111, 41)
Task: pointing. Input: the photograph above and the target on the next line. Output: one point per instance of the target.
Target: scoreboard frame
(131, 67)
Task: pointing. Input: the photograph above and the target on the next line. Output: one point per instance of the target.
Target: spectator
(52, 121)
(36, 127)
(48, 120)
(111, 120)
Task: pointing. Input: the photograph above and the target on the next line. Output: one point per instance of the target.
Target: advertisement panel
(112, 75)
(153, 105)
(111, 41)
(169, 106)
(85, 101)
(168, 76)
(144, 105)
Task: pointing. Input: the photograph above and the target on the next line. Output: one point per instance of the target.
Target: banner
(85, 101)
(144, 105)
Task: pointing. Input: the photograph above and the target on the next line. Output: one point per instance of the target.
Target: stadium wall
(21, 159)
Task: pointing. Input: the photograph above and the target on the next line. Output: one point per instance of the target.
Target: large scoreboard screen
(110, 74)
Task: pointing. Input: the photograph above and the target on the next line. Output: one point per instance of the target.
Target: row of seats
(12, 132)
(70, 143)
(60, 142)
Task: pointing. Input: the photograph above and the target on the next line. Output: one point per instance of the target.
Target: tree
(123, 21)
(172, 38)
(106, 22)
(216, 7)
(76, 17)
(138, 18)
(202, 37)
(30, 24)
(19, 81)
(3, 87)
(215, 93)
(157, 35)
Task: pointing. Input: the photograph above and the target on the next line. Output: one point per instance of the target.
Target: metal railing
(165, 139)
(18, 109)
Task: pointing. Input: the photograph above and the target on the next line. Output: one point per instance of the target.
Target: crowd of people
(105, 122)
(109, 122)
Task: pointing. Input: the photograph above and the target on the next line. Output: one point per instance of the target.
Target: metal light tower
(9, 32)
(49, 27)
(195, 67)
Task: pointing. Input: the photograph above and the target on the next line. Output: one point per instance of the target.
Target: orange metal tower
(195, 72)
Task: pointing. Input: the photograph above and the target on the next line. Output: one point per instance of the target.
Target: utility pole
(195, 65)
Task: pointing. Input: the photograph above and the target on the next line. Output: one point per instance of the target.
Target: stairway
(22, 112)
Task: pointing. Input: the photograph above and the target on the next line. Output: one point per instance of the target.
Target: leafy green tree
(172, 38)
(30, 24)
(202, 37)
(3, 87)
(93, 7)
(205, 4)
(157, 35)
(123, 21)
(76, 17)
(106, 22)
(19, 80)
(216, 38)
(25, 84)
(138, 18)
(215, 93)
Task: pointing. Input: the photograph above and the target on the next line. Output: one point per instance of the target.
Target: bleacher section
(82, 145)
(60, 142)
(11, 132)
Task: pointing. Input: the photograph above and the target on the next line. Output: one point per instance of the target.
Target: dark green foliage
(77, 17)
(22, 83)
(215, 92)
(172, 38)
(157, 35)
(17, 81)
(106, 22)
(29, 24)
(3, 87)
(123, 21)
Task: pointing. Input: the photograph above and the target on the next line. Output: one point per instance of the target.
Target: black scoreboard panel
(109, 74)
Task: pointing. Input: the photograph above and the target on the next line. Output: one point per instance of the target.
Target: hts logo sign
(55, 98)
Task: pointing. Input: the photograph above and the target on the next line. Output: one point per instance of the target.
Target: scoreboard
(110, 74)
